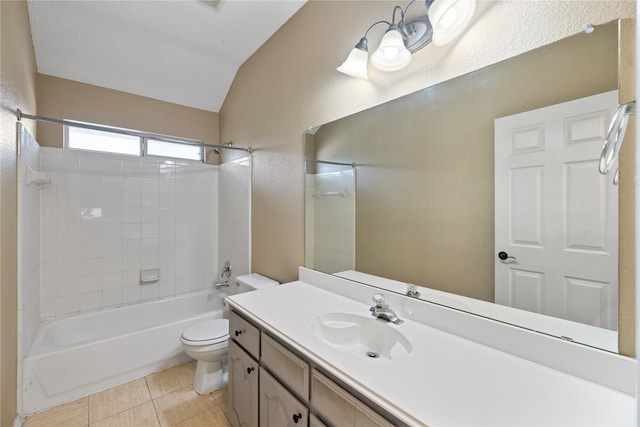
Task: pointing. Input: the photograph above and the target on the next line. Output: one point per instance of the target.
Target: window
(171, 149)
(95, 140)
(131, 143)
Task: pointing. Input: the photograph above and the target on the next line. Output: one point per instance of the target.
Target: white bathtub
(81, 355)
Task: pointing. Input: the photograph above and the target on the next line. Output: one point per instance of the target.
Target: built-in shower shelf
(37, 178)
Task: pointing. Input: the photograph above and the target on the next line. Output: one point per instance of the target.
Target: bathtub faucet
(221, 285)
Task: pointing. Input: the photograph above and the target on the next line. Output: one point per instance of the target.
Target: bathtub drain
(373, 354)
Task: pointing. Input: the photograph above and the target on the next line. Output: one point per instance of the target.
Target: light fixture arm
(393, 17)
(363, 44)
(373, 25)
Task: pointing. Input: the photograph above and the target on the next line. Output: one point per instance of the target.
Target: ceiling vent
(214, 4)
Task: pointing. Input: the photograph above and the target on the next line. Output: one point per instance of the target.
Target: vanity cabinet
(272, 386)
(278, 407)
(245, 334)
(339, 407)
(242, 388)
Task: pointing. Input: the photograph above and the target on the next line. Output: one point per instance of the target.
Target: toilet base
(209, 376)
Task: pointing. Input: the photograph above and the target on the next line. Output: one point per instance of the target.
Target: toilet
(208, 341)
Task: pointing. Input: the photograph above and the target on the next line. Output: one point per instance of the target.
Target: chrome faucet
(226, 273)
(412, 291)
(226, 270)
(220, 285)
(382, 310)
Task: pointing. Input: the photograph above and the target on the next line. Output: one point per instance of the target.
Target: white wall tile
(149, 291)
(90, 267)
(89, 284)
(90, 249)
(112, 280)
(91, 301)
(234, 224)
(112, 264)
(112, 248)
(111, 297)
(131, 294)
(108, 216)
(66, 305)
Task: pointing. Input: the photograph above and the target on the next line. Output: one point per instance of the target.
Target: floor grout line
(85, 421)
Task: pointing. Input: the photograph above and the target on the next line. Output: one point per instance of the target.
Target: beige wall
(425, 181)
(627, 249)
(70, 100)
(291, 84)
(18, 85)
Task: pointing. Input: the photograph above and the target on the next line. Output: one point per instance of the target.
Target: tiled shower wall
(330, 221)
(106, 217)
(235, 215)
(28, 247)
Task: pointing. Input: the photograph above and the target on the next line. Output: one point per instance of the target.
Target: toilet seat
(207, 333)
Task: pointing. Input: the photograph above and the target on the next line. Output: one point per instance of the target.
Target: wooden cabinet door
(242, 387)
(278, 407)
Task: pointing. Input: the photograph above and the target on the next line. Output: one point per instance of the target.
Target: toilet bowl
(208, 342)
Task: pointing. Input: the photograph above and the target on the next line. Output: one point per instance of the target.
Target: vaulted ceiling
(180, 51)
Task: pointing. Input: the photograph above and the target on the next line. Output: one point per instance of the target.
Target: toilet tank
(253, 282)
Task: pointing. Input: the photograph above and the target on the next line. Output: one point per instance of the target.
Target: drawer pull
(297, 417)
(238, 333)
(249, 370)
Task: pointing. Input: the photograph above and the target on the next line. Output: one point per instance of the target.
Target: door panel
(242, 387)
(556, 215)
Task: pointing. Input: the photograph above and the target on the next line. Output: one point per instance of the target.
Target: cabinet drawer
(278, 407)
(245, 334)
(288, 367)
(339, 407)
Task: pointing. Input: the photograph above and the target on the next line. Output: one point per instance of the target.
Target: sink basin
(361, 335)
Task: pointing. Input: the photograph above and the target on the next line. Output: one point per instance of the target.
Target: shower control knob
(503, 256)
(249, 370)
(297, 417)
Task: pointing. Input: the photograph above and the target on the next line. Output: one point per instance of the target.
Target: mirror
(420, 205)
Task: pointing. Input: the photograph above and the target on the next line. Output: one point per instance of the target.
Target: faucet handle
(378, 300)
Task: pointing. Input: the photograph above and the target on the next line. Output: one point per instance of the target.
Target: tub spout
(221, 285)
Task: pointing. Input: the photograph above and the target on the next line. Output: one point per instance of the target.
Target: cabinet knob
(249, 370)
(238, 333)
(297, 417)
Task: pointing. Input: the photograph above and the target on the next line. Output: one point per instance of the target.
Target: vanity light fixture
(443, 21)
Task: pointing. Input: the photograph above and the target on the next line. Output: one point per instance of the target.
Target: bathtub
(81, 355)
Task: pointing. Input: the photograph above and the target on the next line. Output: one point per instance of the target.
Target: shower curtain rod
(184, 141)
(353, 165)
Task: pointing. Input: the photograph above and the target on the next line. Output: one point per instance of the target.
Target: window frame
(143, 138)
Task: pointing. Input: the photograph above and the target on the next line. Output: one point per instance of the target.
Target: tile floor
(162, 399)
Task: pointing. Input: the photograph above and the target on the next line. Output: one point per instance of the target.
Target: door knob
(503, 255)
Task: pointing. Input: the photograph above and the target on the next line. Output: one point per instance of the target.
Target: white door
(556, 216)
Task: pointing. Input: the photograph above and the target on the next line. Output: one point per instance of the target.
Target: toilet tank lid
(256, 281)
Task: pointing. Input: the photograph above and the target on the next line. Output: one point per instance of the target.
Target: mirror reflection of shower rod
(326, 162)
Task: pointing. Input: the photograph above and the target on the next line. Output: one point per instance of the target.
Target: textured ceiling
(182, 51)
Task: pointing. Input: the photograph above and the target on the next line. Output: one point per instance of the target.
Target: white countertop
(445, 380)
